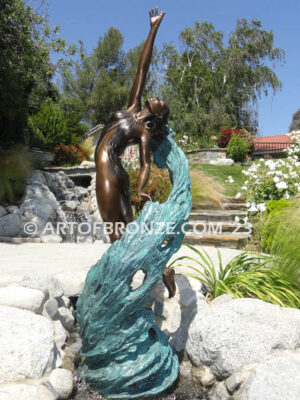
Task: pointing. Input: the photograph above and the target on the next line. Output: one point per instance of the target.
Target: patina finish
(135, 125)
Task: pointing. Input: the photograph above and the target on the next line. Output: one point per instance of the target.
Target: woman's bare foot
(169, 281)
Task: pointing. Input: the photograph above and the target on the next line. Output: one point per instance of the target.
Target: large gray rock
(27, 347)
(239, 332)
(22, 391)
(276, 379)
(9, 225)
(22, 297)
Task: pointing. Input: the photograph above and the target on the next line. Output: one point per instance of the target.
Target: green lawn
(221, 174)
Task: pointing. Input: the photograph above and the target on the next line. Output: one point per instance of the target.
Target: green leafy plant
(158, 187)
(247, 275)
(49, 124)
(15, 166)
(70, 155)
(237, 148)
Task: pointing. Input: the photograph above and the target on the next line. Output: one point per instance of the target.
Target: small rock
(60, 334)
(10, 225)
(219, 392)
(67, 318)
(68, 364)
(51, 307)
(75, 347)
(203, 376)
(22, 297)
(69, 206)
(185, 370)
(12, 209)
(61, 380)
(51, 239)
(66, 302)
(235, 381)
(72, 282)
(2, 211)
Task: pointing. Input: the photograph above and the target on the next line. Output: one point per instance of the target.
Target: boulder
(22, 391)
(22, 297)
(27, 346)
(9, 225)
(230, 335)
(276, 379)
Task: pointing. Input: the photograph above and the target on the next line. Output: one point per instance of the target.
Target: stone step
(235, 206)
(236, 241)
(217, 226)
(216, 215)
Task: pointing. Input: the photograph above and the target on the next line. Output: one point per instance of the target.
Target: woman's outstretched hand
(155, 17)
(144, 197)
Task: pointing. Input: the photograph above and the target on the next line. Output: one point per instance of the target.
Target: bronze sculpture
(135, 125)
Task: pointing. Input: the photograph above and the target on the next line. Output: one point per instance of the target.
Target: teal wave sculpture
(126, 356)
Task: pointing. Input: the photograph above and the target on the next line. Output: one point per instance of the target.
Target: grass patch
(205, 190)
(221, 173)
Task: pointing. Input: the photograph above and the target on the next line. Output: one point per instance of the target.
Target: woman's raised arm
(134, 103)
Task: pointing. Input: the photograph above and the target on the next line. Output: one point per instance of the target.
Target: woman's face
(157, 106)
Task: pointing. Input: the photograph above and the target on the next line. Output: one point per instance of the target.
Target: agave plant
(247, 275)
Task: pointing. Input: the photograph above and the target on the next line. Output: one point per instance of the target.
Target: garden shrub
(15, 164)
(158, 186)
(227, 134)
(237, 148)
(272, 180)
(69, 155)
(49, 125)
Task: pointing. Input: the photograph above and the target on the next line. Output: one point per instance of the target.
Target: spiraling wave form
(126, 355)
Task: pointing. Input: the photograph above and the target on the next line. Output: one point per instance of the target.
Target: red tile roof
(274, 139)
(275, 142)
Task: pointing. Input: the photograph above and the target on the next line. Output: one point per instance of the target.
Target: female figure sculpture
(136, 125)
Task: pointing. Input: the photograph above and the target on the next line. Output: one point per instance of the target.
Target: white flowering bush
(273, 179)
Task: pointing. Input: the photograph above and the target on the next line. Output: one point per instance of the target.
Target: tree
(25, 67)
(49, 125)
(295, 125)
(100, 83)
(211, 86)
